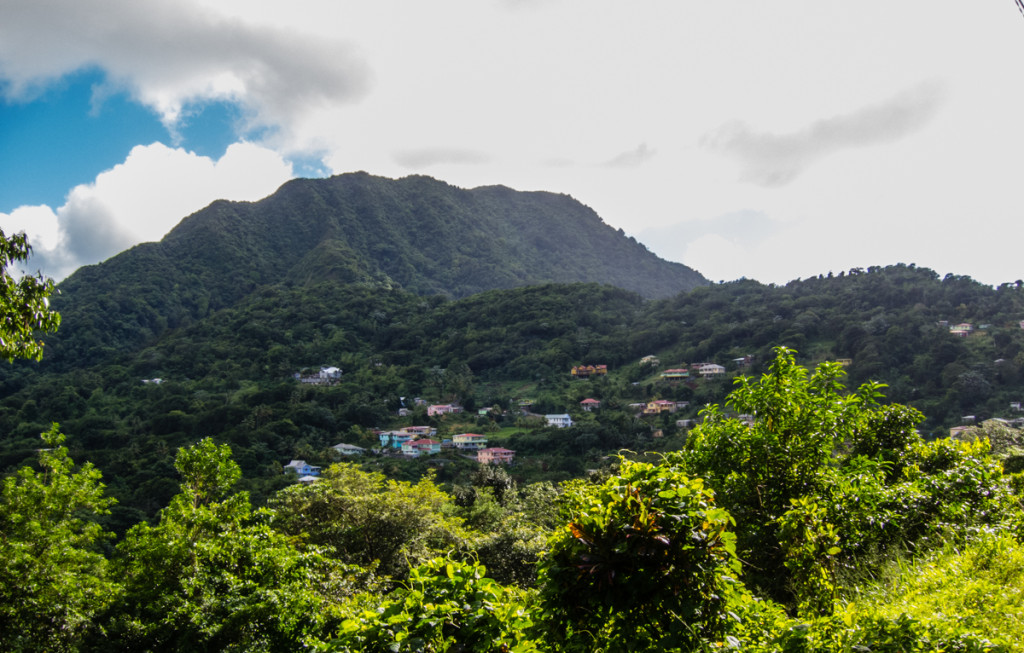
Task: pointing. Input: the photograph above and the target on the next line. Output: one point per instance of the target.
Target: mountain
(416, 234)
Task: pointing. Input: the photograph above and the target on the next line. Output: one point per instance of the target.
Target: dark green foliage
(646, 562)
(415, 233)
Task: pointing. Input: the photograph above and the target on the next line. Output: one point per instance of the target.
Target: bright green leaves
(207, 471)
(53, 579)
(370, 520)
(444, 606)
(213, 575)
(24, 304)
(646, 560)
(809, 543)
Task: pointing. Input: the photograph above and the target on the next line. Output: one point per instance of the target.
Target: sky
(772, 141)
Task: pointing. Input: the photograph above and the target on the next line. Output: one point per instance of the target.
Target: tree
(213, 575)
(758, 467)
(817, 477)
(53, 579)
(24, 303)
(646, 562)
(368, 519)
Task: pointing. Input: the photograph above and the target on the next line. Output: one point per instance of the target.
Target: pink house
(495, 456)
(443, 409)
(590, 404)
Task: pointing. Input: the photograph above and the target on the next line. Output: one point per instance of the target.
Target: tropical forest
(289, 425)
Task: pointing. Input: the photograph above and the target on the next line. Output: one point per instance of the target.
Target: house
(348, 449)
(745, 361)
(587, 371)
(676, 373)
(650, 360)
(330, 373)
(845, 362)
(495, 456)
(961, 330)
(395, 439)
(660, 406)
(559, 421)
(1015, 405)
(156, 381)
(419, 430)
(424, 447)
(590, 404)
(443, 409)
(469, 441)
(327, 375)
(302, 468)
(708, 370)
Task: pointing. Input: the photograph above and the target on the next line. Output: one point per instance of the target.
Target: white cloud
(171, 53)
(140, 200)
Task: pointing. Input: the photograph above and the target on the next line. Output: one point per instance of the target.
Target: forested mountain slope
(417, 234)
(229, 375)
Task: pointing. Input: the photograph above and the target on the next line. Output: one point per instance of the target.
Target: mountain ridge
(415, 233)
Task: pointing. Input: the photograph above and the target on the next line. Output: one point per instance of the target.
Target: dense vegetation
(779, 511)
(415, 233)
(230, 375)
(762, 535)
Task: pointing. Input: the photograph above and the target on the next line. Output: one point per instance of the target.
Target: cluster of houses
(965, 329)
(703, 370)
(415, 441)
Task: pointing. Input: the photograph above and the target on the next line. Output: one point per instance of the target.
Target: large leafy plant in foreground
(53, 578)
(647, 561)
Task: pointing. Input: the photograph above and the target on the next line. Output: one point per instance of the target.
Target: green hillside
(782, 504)
(416, 234)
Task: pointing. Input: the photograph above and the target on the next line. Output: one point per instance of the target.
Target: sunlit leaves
(53, 577)
(24, 304)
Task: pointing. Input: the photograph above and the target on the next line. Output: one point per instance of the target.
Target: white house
(559, 421)
(348, 449)
(710, 369)
(330, 373)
